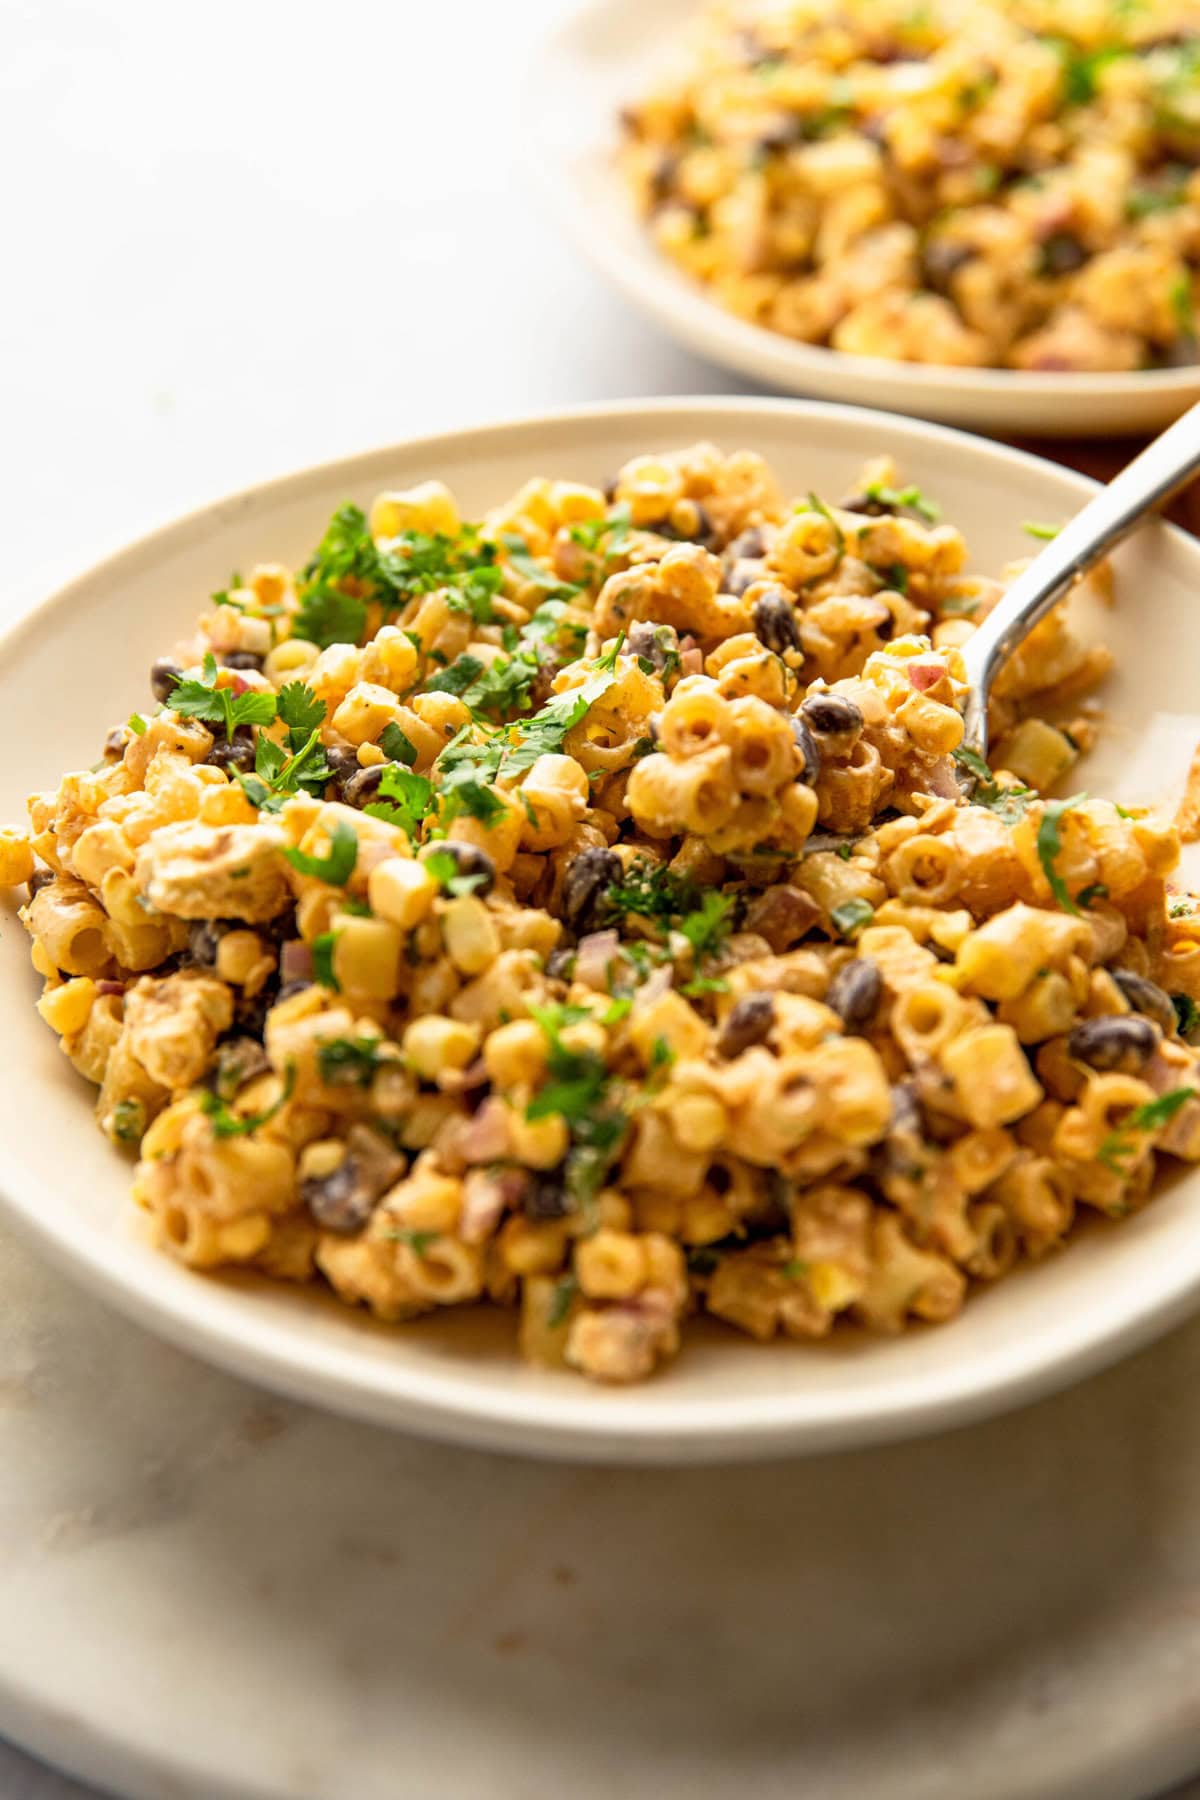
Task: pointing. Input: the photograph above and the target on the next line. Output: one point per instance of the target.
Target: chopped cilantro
(661, 1056)
(445, 870)
(1049, 845)
(818, 506)
(418, 1241)
(653, 891)
(457, 678)
(322, 956)
(1008, 803)
(1096, 890)
(349, 568)
(705, 984)
(1182, 306)
(530, 570)
(128, 1121)
(1187, 1013)
(795, 1270)
(337, 867)
(850, 916)
(1118, 1146)
(404, 799)
(201, 698)
(576, 1090)
(709, 925)
(136, 724)
(396, 746)
(565, 1290)
(348, 1062)
(1035, 529)
(226, 1123)
(897, 576)
(905, 499)
(300, 710)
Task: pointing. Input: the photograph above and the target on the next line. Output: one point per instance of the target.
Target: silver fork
(1145, 484)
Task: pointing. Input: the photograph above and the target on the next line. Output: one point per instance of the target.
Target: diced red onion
(595, 953)
(925, 675)
(295, 961)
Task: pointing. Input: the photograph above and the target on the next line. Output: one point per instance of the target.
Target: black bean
(204, 935)
(658, 644)
(662, 177)
(250, 1015)
(748, 1022)
(832, 715)
(701, 533)
(775, 621)
(343, 762)
(163, 676)
(742, 575)
(1146, 997)
(342, 1201)
(38, 880)
(546, 1196)
(855, 992)
(1124, 1041)
(362, 787)
(236, 752)
(468, 859)
(751, 542)
(807, 746)
(1061, 254)
(242, 659)
(239, 1060)
(115, 742)
(585, 887)
(941, 261)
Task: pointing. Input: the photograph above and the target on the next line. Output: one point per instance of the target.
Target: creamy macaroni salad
(968, 182)
(583, 912)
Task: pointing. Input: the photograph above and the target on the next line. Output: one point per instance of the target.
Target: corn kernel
(401, 890)
(470, 937)
(515, 1054)
(16, 858)
(433, 1044)
(66, 1008)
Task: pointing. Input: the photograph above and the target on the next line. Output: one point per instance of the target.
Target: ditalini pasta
(583, 912)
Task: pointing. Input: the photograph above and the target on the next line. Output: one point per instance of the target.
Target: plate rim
(683, 307)
(204, 1316)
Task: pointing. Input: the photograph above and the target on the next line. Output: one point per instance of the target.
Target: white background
(243, 236)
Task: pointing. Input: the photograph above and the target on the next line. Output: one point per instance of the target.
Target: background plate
(605, 54)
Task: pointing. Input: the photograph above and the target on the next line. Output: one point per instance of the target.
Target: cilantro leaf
(850, 916)
(1187, 1013)
(461, 674)
(565, 1290)
(348, 1062)
(226, 1123)
(1037, 530)
(445, 870)
(329, 617)
(199, 697)
(299, 708)
(396, 746)
(1119, 1145)
(1049, 845)
(136, 724)
(404, 799)
(337, 867)
(521, 560)
(707, 928)
(905, 499)
(322, 956)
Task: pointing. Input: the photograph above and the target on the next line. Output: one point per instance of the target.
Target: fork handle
(1148, 482)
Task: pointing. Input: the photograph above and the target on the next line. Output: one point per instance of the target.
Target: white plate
(79, 663)
(604, 55)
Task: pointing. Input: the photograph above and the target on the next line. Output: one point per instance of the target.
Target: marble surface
(250, 238)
